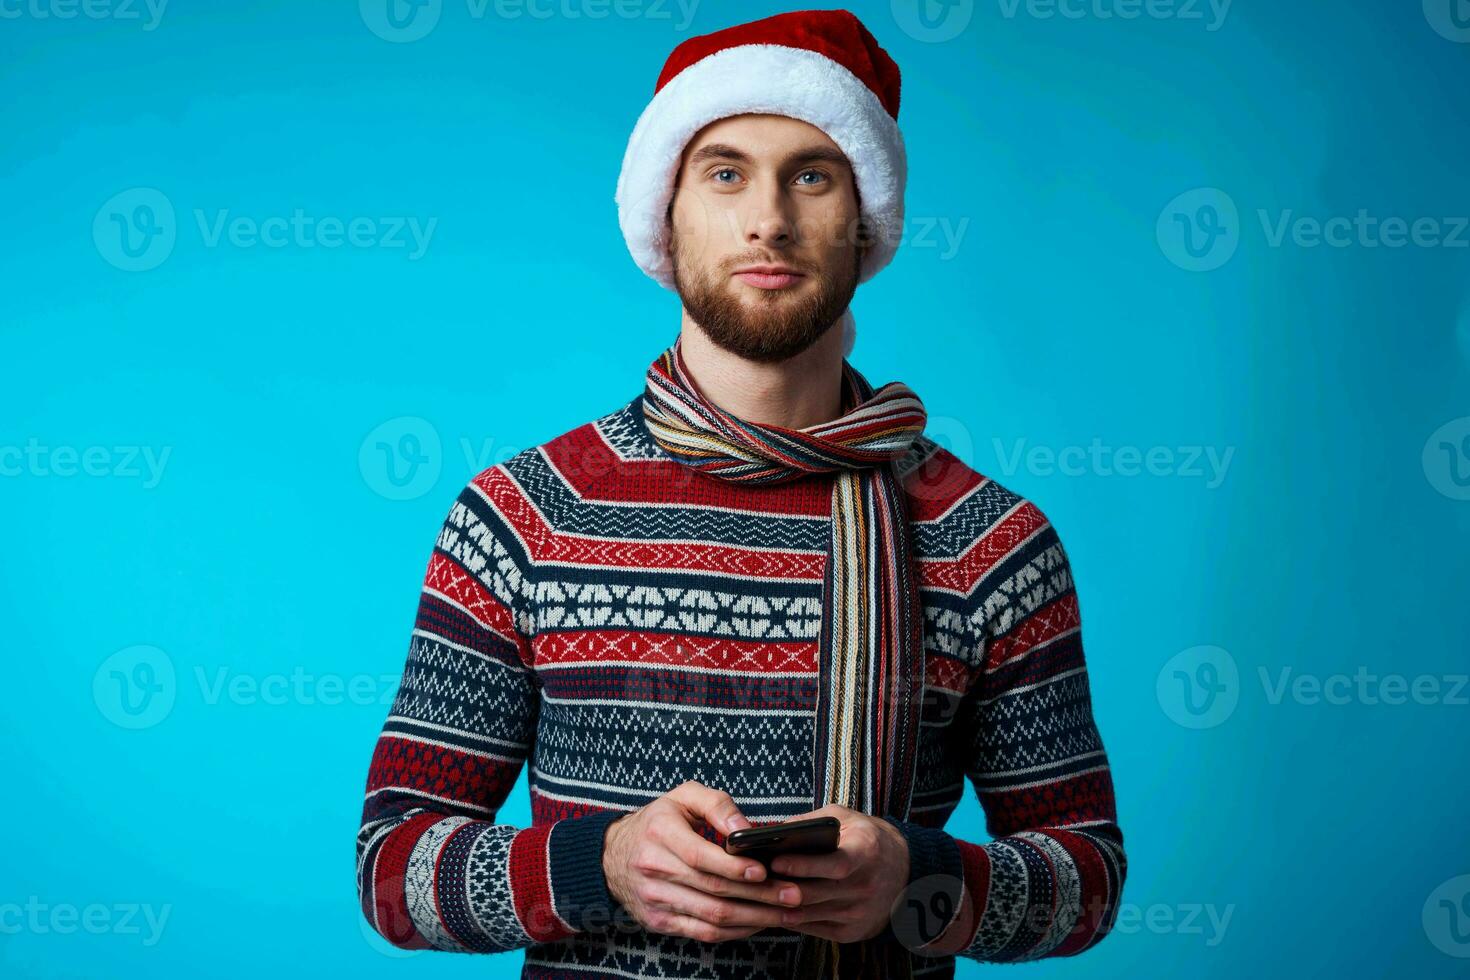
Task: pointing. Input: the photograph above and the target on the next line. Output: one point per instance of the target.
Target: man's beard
(771, 326)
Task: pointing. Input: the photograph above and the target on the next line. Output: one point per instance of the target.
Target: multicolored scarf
(870, 651)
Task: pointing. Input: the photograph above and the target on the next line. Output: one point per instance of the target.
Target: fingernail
(752, 873)
(788, 895)
(737, 822)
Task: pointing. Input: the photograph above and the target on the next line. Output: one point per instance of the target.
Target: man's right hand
(676, 882)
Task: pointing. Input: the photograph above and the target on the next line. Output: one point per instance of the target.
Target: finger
(775, 891)
(714, 806)
(819, 891)
(726, 913)
(676, 924)
(837, 865)
(704, 855)
(830, 912)
(664, 864)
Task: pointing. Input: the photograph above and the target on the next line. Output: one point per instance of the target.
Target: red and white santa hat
(819, 66)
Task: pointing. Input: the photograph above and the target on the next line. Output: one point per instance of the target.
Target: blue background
(274, 544)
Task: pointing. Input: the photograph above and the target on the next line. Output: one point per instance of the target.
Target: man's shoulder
(617, 434)
(969, 504)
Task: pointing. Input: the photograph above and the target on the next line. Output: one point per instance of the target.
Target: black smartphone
(815, 835)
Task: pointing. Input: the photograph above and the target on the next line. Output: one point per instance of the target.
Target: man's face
(765, 191)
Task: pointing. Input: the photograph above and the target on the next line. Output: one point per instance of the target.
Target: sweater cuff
(930, 902)
(578, 883)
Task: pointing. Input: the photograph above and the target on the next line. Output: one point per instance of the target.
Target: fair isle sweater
(620, 623)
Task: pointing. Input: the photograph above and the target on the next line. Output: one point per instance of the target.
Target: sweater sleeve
(434, 869)
(1049, 882)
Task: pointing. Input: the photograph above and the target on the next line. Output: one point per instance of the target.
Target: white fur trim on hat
(760, 78)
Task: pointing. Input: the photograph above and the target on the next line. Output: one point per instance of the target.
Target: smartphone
(816, 835)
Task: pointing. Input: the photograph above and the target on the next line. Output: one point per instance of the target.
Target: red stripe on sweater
(1095, 890)
(1046, 623)
(976, 863)
(750, 657)
(530, 885)
(988, 551)
(408, 764)
(1079, 799)
(675, 650)
(389, 901)
(590, 467)
(448, 578)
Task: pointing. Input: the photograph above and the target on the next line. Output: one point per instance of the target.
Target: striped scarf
(870, 651)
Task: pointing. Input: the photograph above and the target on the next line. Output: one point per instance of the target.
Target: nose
(769, 221)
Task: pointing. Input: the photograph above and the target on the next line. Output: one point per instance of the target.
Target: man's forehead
(748, 138)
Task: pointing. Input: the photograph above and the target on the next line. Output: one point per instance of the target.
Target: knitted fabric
(610, 621)
(870, 649)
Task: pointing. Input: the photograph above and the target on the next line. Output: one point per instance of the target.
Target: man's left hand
(847, 895)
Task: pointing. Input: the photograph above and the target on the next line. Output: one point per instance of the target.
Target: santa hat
(819, 66)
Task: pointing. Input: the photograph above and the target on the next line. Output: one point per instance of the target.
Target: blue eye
(812, 173)
(725, 170)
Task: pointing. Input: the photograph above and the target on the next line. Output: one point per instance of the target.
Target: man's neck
(798, 392)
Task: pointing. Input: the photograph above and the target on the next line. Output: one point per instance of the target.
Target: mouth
(769, 276)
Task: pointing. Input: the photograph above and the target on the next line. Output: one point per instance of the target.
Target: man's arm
(1050, 881)
(433, 867)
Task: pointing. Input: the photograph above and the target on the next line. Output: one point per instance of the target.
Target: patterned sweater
(621, 623)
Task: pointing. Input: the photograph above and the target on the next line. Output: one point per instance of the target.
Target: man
(754, 593)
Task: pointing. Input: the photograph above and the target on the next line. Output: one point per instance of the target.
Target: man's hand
(848, 894)
(676, 882)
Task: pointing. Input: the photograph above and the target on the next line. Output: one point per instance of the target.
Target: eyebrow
(724, 151)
